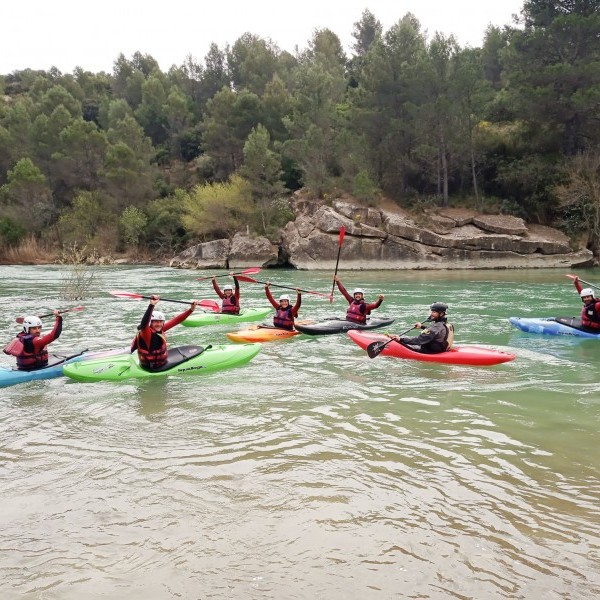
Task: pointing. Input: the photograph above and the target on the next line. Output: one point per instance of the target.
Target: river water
(313, 471)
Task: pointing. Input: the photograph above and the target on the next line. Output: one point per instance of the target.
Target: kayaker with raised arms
(151, 342)
(590, 312)
(230, 299)
(358, 309)
(285, 313)
(435, 338)
(30, 347)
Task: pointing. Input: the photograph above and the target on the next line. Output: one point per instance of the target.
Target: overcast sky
(40, 34)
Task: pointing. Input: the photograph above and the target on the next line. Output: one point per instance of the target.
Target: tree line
(140, 158)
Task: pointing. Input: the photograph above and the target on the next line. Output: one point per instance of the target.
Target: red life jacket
(229, 305)
(590, 315)
(284, 318)
(354, 312)
(27, 361)
(152, 359)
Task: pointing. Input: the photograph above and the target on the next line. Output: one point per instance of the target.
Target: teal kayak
(183, 360)
(12, 376)
(199, 319)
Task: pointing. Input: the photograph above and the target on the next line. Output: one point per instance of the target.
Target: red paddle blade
(247, 279)
(342, 234)
(249, 271)
(210, 305)
(123, 294)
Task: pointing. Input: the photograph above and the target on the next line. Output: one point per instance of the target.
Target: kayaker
(590, 313)
(285, 313)
(230, 298)
(435, 338)
(151, 342)
(30, 347)
(358, 309)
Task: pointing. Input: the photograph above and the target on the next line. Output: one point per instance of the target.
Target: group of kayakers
(437, 335)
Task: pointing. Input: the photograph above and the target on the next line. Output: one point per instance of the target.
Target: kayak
(183, 360)
(459, 355)
(11, 376)
(197, 319)
(339, 325)
(261, 333)
(553, 326)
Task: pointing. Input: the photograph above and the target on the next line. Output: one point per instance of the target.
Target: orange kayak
(261, 333)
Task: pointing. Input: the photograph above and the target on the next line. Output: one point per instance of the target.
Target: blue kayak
(554, 326)
(11, 376)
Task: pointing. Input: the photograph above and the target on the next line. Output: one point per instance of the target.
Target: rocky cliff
(391, 238)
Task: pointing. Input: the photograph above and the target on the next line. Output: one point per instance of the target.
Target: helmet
(228, 287)
(358, 291)
(284, 297)
(31, 321)
(439, 307)
(157, 316)
(586, 292)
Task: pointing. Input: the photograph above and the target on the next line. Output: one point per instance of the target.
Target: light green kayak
(183, 360)
(212, 318)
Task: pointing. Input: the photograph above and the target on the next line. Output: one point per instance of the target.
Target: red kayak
(459, 355)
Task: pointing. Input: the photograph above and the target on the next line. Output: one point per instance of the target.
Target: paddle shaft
(376, 348)
(60, 312)
(285, 287)
(590, 284)
(337, 262)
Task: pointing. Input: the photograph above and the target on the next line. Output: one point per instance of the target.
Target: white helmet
(284, 297)
(158, 316)
(31, 321)
(358, 291)
(587, 292)
(228, 287)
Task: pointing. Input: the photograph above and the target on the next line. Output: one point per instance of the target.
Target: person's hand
(193, 305)
(268, 284)
(154, 299)
(56, 313)
(418, 325)
(336, 279)
(381, 296)
(232, 273)
(298, 291)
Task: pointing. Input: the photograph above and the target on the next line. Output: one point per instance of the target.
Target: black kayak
(340, 325)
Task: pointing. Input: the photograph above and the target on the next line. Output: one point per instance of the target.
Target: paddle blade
(247, 279)
(123, 294)
(573, 277)
(210, 305)
(376, 348)
(342, 234)
(250, 271)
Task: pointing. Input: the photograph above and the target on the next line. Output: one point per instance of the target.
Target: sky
(38, 34)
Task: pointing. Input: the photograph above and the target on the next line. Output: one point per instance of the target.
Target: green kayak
(183, 360)
(198, 319)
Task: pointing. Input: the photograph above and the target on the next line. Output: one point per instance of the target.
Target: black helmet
(439, 307)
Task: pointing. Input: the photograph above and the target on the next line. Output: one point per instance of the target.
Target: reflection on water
(313, 471)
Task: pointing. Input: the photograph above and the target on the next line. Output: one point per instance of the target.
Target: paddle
(583, 281)
(285, 287)
(211, 304)
(250, 271)
(376, 348)
(60, 312)
(337, 262)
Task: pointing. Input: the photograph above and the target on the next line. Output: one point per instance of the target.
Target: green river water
(313, 471)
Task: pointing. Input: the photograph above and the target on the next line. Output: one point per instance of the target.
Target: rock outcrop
(392, 239)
